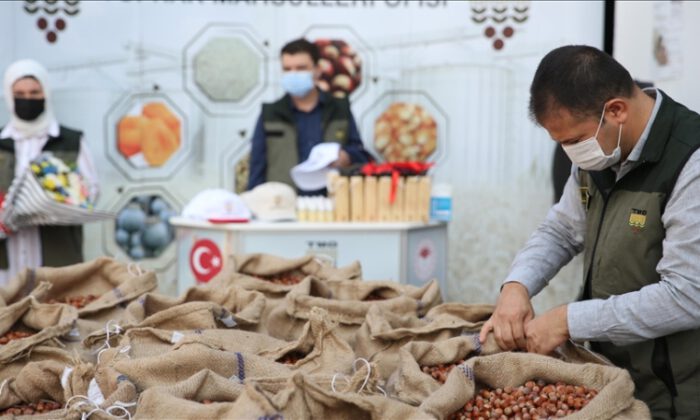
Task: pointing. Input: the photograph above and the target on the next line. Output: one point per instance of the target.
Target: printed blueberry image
(142, 229)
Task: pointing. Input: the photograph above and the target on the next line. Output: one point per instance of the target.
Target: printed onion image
(405, 132)
(226, 69)
(150, 136)
(142, 227)
(341, 67)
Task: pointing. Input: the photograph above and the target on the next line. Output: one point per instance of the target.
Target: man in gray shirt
(632, 205)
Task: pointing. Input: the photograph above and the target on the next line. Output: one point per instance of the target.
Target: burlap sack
(251, 270)
(319, 349)
(112, 281)
(47, 321)
(146, 342)
(183, 400)
(52, 379)
(383, 333)
(188, 316)
(54, 375)
(246, 306)
(411, 385)
(615, 399)
(358, 397)
(10, 371)
(179, 364)
(346, 303)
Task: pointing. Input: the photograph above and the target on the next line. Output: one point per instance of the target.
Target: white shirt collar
(637, 149)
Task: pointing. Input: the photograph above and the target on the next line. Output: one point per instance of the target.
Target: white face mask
(588, 154)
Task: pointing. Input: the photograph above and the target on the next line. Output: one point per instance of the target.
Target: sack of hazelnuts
(347, 302)
(275, 276)
(205, 395)
(526, 385)
(90, 287)
(246, 307)
(318, 350)
(423, 366)
(383, 333)
(187, 316)
(148, 341)
(28, 323)
(46, 384)
(179, 364)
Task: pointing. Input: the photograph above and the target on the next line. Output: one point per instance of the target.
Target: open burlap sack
(48, 322)
(245, 306)
(615, 399)
(353, 397)
(55, 379)
(347, 303)
(225, 399)
(318, 350)
(146, 342)
(54, 375)
(9, 371)
(254, 271)
(111, 281)
(187, 316)
(179, 364)
(383, 333)
(39, 353)
(411, 385)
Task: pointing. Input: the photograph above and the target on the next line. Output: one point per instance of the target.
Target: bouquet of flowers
(49, 192)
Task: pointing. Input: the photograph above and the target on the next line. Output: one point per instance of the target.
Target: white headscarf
(16, 71)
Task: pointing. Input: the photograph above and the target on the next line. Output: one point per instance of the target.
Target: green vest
(60, 245)
(281, 133)
(623, 245)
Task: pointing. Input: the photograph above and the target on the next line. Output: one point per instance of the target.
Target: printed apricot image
(151, 138)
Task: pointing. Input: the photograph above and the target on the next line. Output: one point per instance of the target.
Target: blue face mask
(298, 83)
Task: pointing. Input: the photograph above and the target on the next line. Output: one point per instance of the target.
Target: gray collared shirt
(659, 309)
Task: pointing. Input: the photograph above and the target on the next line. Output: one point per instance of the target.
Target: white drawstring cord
(354, 369)
(118, 405)
(106, 345)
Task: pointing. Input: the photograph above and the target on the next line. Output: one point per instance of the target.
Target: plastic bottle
(302, 210)
(441, 203)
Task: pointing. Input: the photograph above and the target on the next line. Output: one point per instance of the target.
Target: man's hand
(546, 332)
(513, 311)
(342, 161)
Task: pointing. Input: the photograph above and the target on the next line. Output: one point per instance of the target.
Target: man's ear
(617, 110)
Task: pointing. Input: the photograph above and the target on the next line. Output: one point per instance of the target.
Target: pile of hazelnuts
(77, 302)
(440, 372)
(289, 278)
(291, 358)
(531, 401)
(14, 335)
(41, 407)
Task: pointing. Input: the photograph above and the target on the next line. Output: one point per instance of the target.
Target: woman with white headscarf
(33, 129)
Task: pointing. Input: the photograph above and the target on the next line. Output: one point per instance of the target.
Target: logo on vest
(638, 218)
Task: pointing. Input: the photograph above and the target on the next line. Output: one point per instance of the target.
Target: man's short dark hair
(302, 45)
(578, 78)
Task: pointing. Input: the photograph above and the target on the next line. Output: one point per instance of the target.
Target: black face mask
(28, 109)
